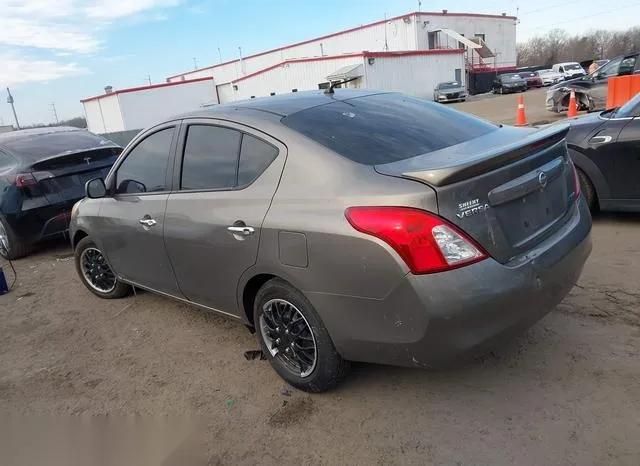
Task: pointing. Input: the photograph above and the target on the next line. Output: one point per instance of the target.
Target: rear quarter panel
(315, 189)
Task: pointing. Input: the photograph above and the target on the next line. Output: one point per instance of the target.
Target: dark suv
(506, 83)
(42, 174)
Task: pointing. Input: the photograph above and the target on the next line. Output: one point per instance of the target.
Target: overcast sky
(60, 51)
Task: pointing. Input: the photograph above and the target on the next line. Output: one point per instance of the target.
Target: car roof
(25, 133)
(280, 105)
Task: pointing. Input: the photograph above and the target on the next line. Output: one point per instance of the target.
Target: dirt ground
(502, 108)
(565, 392)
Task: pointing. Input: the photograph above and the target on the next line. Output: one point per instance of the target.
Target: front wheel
(587, 189)
(294, 339)
(95, 272)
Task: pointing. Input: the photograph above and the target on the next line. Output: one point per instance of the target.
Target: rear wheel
(95, 272)
(587, 189)
(294, 339)
(11, 247)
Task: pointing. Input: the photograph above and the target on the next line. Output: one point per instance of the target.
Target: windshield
(383, 128)
(572, 66)
(630, 109)
(451, 85)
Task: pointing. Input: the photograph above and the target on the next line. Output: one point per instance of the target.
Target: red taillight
(426, 242)
(576, 182)
(25, 179)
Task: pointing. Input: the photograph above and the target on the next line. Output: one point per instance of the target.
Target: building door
(458, 73)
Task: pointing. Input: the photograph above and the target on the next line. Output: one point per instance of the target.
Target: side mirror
(131, 187)
(95, 188)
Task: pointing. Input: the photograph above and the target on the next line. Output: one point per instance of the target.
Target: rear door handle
(148, 222)
(600, 139)
(241, 230)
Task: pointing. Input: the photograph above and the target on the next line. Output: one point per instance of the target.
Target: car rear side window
(255, 156)
(145, 168)
(384, 128)
(210, 158)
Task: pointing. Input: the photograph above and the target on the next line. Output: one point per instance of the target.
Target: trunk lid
(509, 189)
(62, 177)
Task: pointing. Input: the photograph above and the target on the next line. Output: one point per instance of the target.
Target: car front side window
(610, 69)
(144, 170)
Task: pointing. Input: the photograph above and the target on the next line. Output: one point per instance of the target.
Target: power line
(585, 16)
(551, 7)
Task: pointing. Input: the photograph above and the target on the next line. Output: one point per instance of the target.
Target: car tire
(16, 248)
(277, 300)
(87, 250)
(587, 189)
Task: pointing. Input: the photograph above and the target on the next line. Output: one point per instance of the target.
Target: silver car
(450, 91)
(346, 226)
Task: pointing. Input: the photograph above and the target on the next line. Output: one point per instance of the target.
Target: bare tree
(558, 46)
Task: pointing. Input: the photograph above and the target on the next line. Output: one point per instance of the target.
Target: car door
(625, 154)
(225, 176)
(131, 218)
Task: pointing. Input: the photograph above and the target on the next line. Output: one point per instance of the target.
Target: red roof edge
(350, 55)
(144, 88)
(364, 26)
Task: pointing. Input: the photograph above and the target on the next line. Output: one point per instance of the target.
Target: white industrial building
(409, 53)
(139, 107)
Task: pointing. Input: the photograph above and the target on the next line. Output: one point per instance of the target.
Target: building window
(324, 85)
(433, 40)
(273, 93)
(253, 96)
(480, 36)
(294, 90)
(235, 88)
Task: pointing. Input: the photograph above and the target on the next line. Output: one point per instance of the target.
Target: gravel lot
(566, 392)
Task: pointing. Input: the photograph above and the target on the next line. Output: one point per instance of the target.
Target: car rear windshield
(384, 128)
(573, 66)
(40, 146)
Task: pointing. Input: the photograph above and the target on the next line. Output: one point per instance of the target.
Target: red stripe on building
(144, 88)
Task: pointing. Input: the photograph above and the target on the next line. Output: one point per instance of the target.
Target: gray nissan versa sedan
(345, 226)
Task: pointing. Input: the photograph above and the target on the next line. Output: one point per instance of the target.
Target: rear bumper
(437, 320)
(36, 224)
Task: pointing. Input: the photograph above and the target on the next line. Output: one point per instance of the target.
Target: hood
(582, 82)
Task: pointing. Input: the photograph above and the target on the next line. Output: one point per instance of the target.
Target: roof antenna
(329, 90)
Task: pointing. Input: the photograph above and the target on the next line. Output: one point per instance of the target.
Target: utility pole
(419, 6)
(195, 63)
(220, 54)
(10, 102)
(55, 114)
(149, 79)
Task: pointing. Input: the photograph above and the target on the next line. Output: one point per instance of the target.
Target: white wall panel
(145, 107)
(94, 116)
(415, 75)
(103, 114)
(500, 34)
(205, 73)
(400, 35)
(303, 76)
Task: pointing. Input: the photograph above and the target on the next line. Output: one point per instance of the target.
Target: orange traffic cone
(573, 105)
(521, 118)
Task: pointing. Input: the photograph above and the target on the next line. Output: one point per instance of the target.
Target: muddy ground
(565, 392)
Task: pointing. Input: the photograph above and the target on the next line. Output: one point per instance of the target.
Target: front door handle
(600, 139)
(241, 230)
(147, 222)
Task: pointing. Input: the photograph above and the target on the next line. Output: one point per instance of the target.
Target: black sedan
(605, 148)
(42, 174)
(506, 83)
